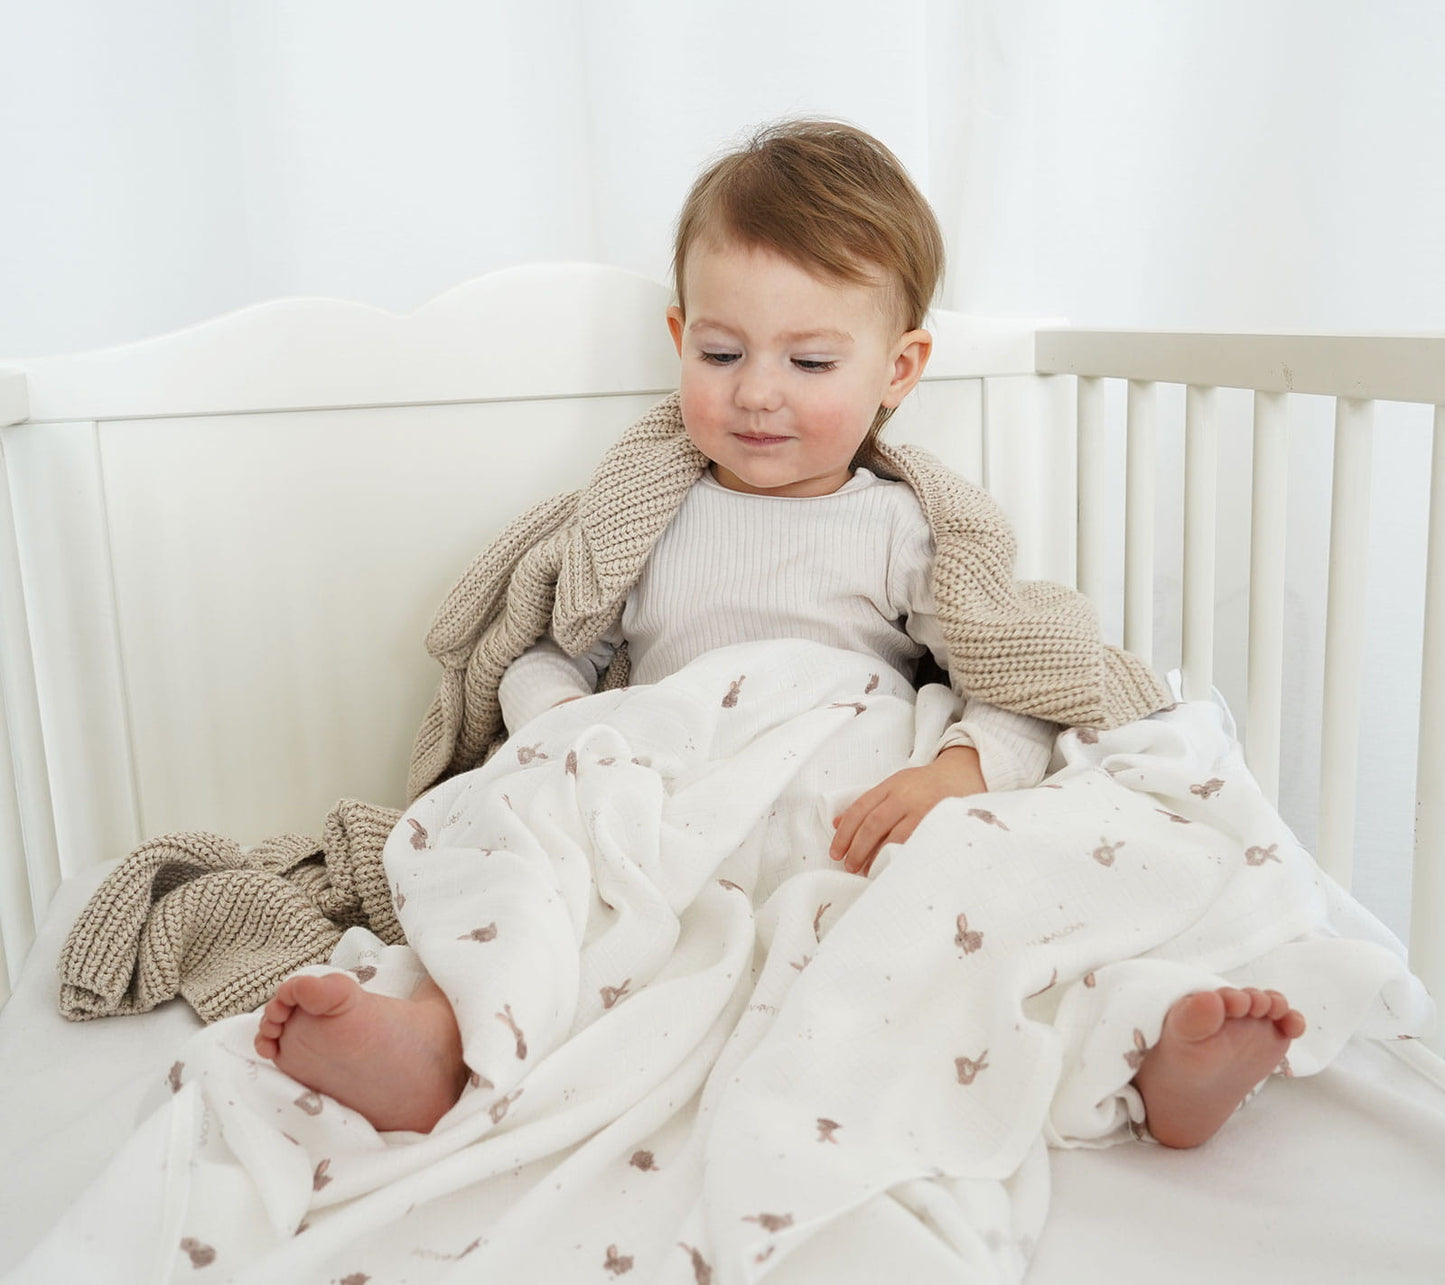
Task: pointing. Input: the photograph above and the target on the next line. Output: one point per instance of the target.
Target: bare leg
(1214, 1048)
(396, 1061)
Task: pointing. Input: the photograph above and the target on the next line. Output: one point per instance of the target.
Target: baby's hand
(891, 811)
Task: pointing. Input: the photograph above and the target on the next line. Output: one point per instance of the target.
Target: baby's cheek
(845, 420)
(702, 415)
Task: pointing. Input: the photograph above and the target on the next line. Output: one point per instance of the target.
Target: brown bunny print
(1135, 1056)
(1104, 853)
(701, 1272)
(818, 920)
(498, 1109)
(967, 939)
(199, 1254)
(987, 817)
(510, 1022)
(967, 1068)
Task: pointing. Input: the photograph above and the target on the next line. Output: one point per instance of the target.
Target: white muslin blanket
(702, 1052)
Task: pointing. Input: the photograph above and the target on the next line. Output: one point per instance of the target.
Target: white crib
(190, 557)
(210, 620)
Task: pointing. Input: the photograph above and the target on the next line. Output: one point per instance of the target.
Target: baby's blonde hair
(829, 198)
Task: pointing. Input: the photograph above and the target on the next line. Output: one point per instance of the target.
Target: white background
(1191, 164)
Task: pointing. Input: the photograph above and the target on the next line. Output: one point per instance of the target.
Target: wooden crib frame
(173, 657)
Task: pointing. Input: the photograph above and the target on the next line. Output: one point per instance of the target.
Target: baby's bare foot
(396, 1061)
(1214, 1048)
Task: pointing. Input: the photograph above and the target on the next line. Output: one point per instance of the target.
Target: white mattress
(1336, 1178)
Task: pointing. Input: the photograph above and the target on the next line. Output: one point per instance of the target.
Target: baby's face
(782, 371)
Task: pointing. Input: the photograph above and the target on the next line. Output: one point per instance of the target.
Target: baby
(804, 265)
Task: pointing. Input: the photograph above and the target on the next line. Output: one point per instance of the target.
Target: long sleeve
(544, 675)
(1013, 749)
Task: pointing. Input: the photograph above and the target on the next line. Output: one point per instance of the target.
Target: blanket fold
(196, 916)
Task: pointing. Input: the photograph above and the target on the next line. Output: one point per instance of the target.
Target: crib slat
(1091, 473)
(1344, 634)
(1427, 889)
(1200, 486)
(1266, 589)
(29, 864)
(17, 928)
(1139, 488)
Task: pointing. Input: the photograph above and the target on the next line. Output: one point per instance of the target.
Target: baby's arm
(544, 675)
(989, 748)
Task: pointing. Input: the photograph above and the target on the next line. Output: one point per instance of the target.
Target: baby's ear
(675, 323)
(912, 354)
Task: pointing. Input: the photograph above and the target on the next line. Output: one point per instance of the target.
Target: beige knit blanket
(192, 915)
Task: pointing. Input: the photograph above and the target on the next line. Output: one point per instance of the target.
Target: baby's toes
(275, 1013)
(1237, 1003)
(1292, 1025)
(1278, 1006)
(1260, 1002)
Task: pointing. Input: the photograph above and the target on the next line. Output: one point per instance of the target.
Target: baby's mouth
(760, 439)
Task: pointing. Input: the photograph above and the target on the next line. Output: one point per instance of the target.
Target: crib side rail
(1357, 371)
(1365, 367)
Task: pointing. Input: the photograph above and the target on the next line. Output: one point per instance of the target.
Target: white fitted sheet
(1335, 1178)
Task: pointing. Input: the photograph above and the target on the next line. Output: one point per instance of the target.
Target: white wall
(1203, 163)
(1208, 164)
(214, 154)
(120, 182)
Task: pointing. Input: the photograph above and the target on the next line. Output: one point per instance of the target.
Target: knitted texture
(193, 915)
(567, 566)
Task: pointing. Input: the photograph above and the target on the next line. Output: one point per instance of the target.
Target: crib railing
(986, 392)
(1357, 372)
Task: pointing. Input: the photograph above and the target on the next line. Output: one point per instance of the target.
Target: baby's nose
(758, 388)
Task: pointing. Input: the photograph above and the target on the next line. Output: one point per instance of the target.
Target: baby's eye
(719, 358)
(807, 363)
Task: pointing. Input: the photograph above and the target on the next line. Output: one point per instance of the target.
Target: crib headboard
(220, 549)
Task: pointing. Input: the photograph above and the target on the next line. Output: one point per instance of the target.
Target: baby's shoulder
(892, 504)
